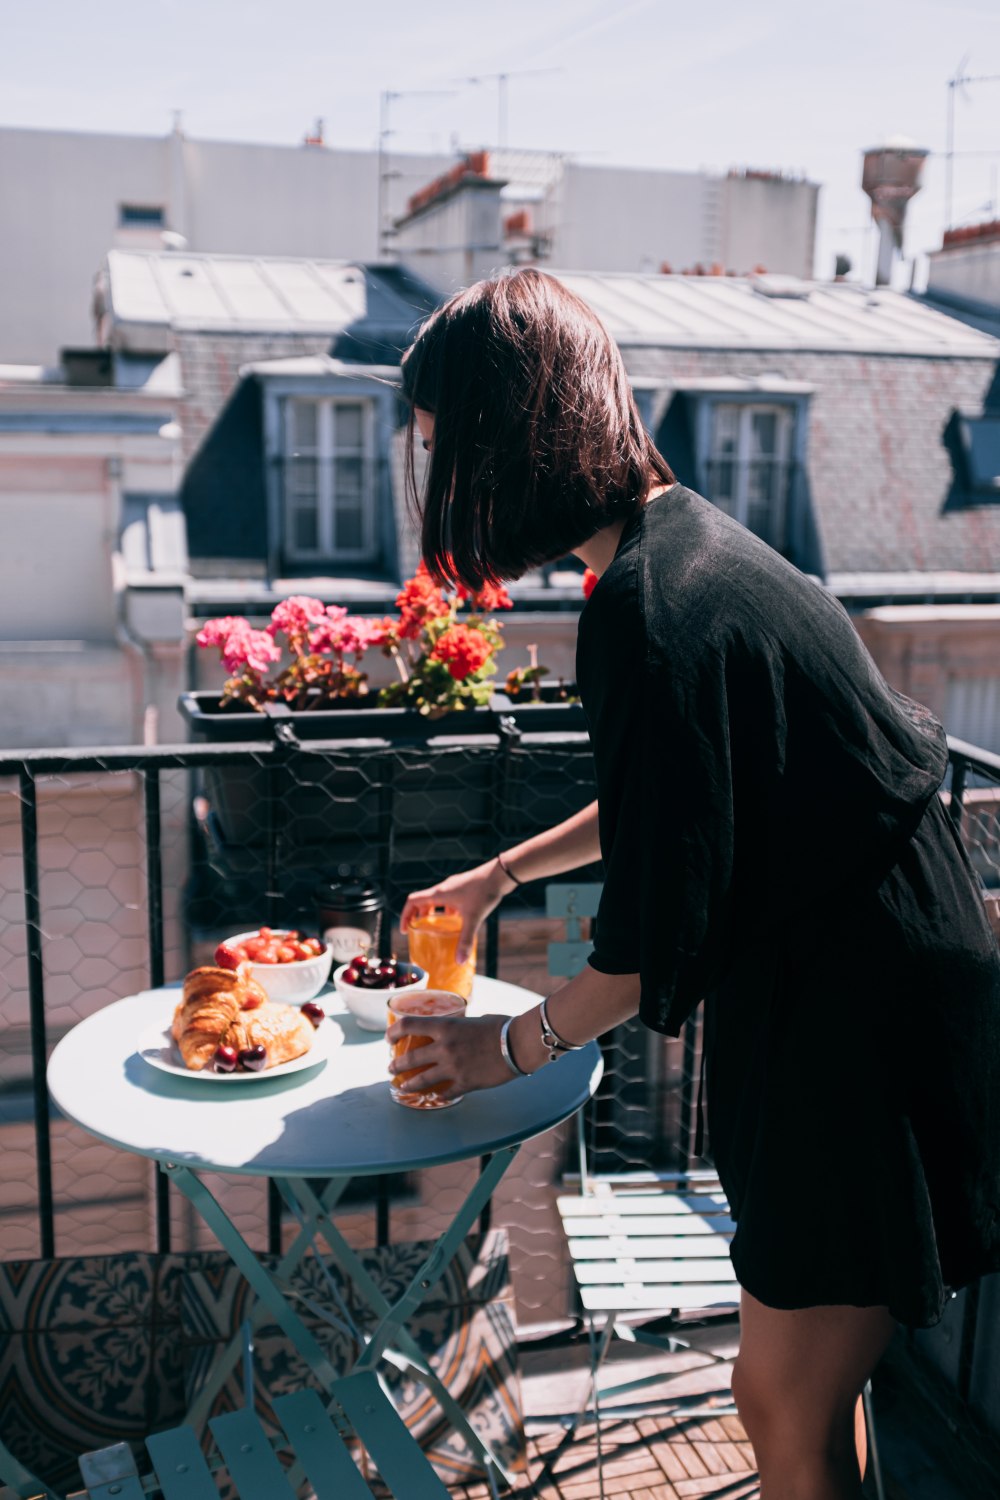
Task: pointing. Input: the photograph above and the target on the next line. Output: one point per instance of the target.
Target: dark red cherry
(408, 976)
(359, 961)
(253, 1059)
(315, 1012)
(225, 1059)
(351, 975)
(386, 973)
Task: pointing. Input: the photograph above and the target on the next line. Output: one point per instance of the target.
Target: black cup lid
(350, 895)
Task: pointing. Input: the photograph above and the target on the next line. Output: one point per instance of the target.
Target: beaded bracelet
(508, 872)
(551, 1038)
(508, 1055)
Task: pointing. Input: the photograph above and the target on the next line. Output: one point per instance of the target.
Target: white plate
(157, 1047)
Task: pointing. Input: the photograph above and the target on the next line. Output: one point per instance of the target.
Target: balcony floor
(668, 1457)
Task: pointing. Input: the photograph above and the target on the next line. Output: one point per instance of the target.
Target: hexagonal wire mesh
(240, 836)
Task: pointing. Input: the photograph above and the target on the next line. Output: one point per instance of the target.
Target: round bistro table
(332, 1121)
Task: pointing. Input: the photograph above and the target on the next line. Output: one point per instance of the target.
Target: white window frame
(738, 505)
(325, 455)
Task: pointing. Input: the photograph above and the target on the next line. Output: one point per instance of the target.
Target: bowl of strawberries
(367, 984)
(290, 967)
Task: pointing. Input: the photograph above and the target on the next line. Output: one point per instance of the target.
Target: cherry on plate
(314, 1012)
(228, 956)
(253, 1059)
(225, 1059)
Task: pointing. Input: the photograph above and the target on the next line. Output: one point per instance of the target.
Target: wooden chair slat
(648, 1247)
(666, 1273)
(659, 1299)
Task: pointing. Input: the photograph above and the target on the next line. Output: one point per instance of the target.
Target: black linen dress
(774, 844)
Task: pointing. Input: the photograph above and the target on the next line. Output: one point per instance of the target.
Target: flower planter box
(361, 776)
(366, 787)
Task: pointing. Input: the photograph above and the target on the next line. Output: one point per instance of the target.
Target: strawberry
(227, 956)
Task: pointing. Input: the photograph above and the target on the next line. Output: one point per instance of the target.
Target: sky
(652, 83)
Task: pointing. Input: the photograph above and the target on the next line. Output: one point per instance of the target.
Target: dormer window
(748, 473)
(329, 476)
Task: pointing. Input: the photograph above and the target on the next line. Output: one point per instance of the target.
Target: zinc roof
(771, 312)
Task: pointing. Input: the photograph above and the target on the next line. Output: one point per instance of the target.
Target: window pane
(305, 529)
(348, 477)
(348, 429)
(725, 431)
(304, 425)
(350, 528)
(301, 478)
(763, 433)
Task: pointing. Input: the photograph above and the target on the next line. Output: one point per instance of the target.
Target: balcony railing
(129, 877)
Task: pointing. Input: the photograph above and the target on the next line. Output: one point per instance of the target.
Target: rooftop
(772, 312)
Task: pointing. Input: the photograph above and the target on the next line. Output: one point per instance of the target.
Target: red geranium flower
(485, 600)
(418, 601)
(463, 649)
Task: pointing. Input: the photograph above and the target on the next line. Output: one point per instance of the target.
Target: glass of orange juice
(433, 939)
(420, 1003)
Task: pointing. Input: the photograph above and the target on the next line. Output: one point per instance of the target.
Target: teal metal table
(333, 1122)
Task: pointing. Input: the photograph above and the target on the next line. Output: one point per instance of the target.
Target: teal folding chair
(649, 1250)
(316, 1436)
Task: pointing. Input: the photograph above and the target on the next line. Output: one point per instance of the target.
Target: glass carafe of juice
(433, 938)
(420, 1003)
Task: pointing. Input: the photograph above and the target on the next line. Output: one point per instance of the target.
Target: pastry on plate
(227, 1008)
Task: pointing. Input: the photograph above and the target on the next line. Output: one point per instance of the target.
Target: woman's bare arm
(476, 892)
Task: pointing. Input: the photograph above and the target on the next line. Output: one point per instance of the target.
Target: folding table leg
(260, 1280)
(391, 1330)
(226, 1358)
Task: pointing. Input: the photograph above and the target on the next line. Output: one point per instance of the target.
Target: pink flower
(347, 635)
(296, 614)
(246, 647)
(217, 632)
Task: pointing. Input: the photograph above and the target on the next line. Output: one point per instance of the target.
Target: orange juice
(420, 1003)
(433, 940)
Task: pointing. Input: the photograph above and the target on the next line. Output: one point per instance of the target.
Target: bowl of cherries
(367, 984)
(291, 968)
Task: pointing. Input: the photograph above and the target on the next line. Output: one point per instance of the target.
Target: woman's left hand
(463, 1053)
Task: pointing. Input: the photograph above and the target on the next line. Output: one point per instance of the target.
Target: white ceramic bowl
(290, 984)
(368, 1007)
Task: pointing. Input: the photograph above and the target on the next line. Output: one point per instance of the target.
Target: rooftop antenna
(960, 81)
(384, 231)
(501, 80)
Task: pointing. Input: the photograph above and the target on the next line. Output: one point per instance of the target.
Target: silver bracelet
(508, 1056)
(551, 1038)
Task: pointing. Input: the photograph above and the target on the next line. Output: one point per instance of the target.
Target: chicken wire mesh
(145, 860)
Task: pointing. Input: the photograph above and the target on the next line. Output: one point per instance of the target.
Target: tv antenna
(961, 80)
(384, 231)
(501, 80)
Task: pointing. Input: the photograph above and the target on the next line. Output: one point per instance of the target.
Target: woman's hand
(463, 1052)
(473, 894)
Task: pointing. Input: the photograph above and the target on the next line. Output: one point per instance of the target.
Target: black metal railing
(405, 813)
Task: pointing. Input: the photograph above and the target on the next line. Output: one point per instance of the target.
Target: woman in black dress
(773, 843)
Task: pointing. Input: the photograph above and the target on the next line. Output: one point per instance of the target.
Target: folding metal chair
(313, 1433)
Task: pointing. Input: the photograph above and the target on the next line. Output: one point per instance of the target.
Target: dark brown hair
(537, 440)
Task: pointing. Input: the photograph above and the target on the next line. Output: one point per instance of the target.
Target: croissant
(226, 1007)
